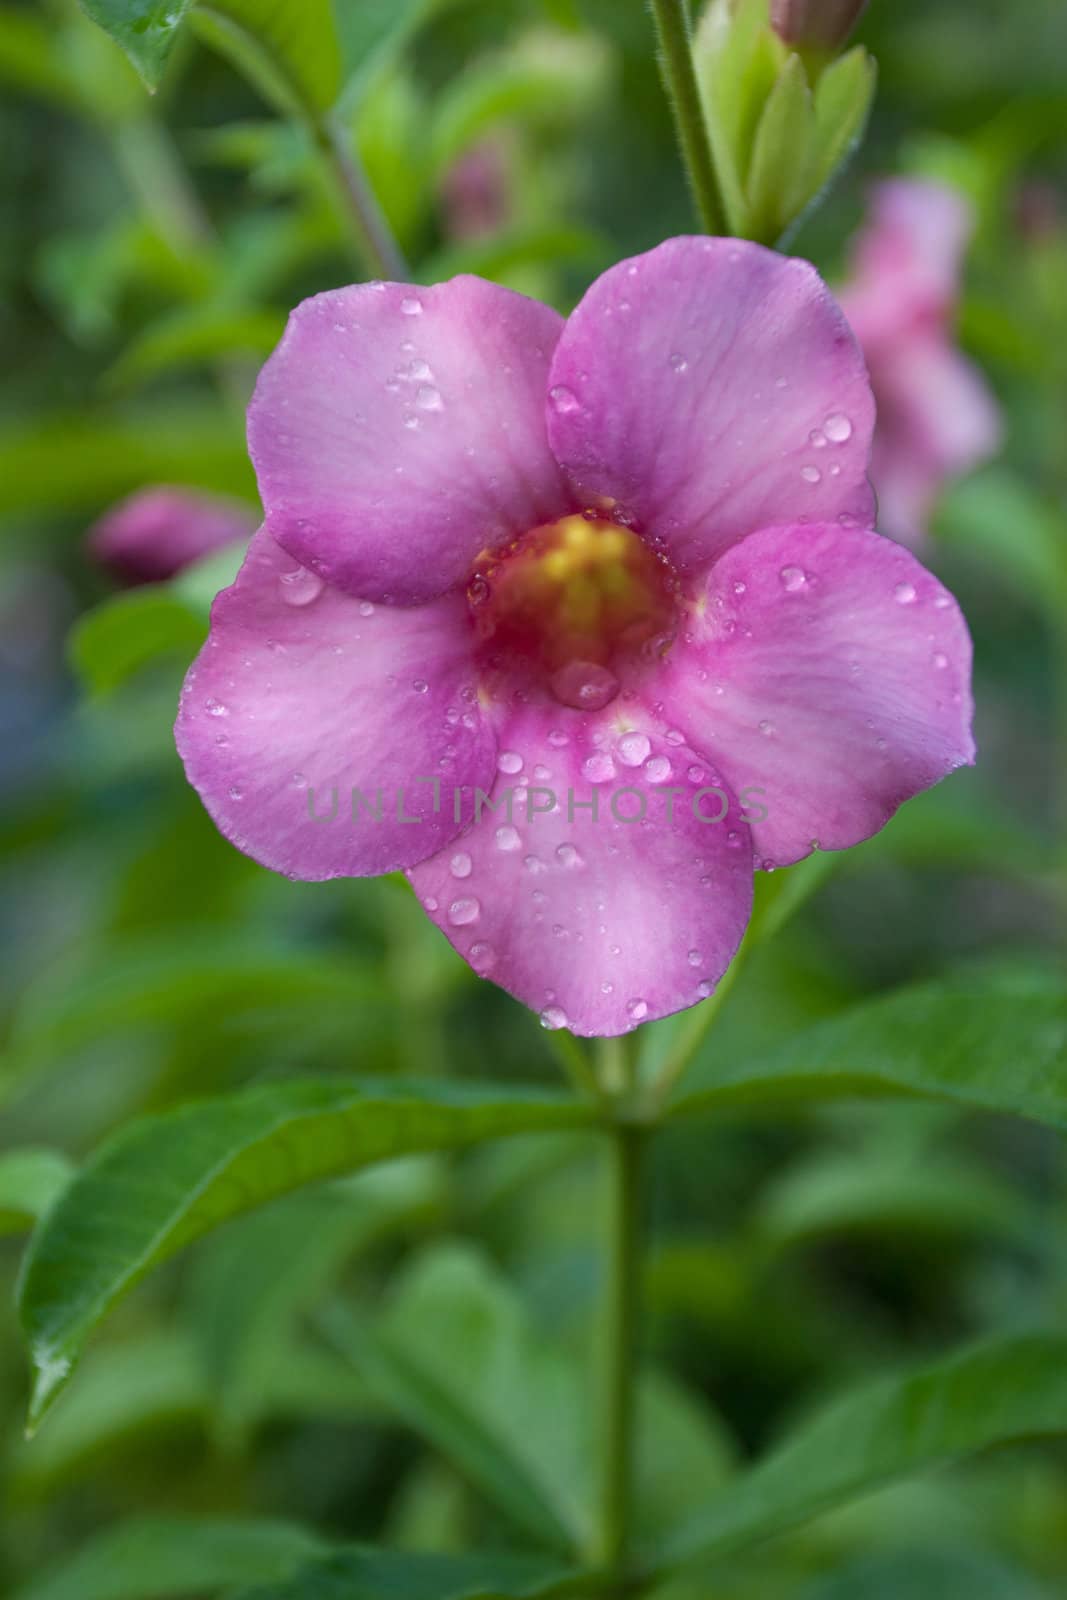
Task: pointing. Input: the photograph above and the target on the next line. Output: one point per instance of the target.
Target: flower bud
(815, 24)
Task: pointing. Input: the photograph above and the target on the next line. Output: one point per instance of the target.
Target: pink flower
(936, 416)
(619, 562)
(158, 531)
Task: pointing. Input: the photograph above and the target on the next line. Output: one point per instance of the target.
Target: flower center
(580, 600)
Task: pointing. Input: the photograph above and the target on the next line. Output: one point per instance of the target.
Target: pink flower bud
(158, 531)
(815, 24)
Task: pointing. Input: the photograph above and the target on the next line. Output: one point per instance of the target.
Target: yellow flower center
(581, 599)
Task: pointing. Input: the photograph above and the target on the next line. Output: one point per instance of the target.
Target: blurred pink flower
(474, 192)
(936, 415)
(158, 531)
(612, 576)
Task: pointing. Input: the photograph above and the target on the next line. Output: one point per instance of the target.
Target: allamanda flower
(936, 416)
(576, 622)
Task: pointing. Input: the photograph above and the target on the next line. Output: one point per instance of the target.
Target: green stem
(378, 251)
(695, 1031)
(680, 82)
(146, 154)
(621, 1315)
(572, 1057)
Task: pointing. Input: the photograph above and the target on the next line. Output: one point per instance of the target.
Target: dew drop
(300, 587)
(568, 855)
(411, 306)
(509, 761)
(461, 864)
(482, 956)
(633, 749)
(563, 400)
(793, 578)
(507, 838)
(657, 769)
(838, 427)
(940, 661)
(637, 1009)
(553, 1017)
(599, 767)
(678, 363)
(704, 989)
(585, 685)
(478, 591)
(215, 708)
(904, 594)
(366, 609)
(236, 792)
(463, 911)
(695, 958)
(427, 398)
(810, 474)
(420, 686)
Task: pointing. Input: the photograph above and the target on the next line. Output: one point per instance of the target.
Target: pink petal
(712, 388)
(834, 674)
(397, 432)
(597, 924)
(906, 260)
(161, 530)
(937, 418)
(303, 695)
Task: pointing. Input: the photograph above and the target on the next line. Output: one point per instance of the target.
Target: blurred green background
(151, 250)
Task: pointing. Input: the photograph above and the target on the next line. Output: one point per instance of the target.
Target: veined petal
(396, 432)
(831, 672)
(303, 700)
(712, 388)
(601, 921)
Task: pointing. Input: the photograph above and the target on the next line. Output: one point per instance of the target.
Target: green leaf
(366, 1574)
(523, 1433)
(166, 1180)
(30, 62)
(992, 1394)
(79, 462)
(29, 1182)
(253, 1278)
(288, 48)
(144, 28)
(783, 154)
(372, 34)
(927, 1575)
(997, 1043)
(122, 635)
(191, 337)
(843, 97)
(164, 1558)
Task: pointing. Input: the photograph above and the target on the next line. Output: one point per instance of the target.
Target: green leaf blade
(145, 29)
(166, 1180)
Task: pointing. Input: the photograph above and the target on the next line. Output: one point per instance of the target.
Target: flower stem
(621, 1313)
(679, 79)
(364, 219)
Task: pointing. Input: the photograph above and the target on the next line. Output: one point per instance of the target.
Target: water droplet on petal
(568, 855)
(585, 685)
(427, 398)
(810, 474)
(509, 761)
(678, 363)
(599, 767)
(563, 400)
(838, 427)
(300, 587)
(507, 838)
(637, 1009)
(482, 956)
(411, 306)
(940, 661)
(461, 864)
(553, 1017)
(793, 578)
(633, 749)
(235, 792)
(463, 911)
(695, 958)
(657, 769)
(366, 609)
(420, 686)
(215, 708)
(904, 593)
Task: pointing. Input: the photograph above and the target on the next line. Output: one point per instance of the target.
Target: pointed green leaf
(367, 1574)
(165, 1558)
(30, 1180)
(843, 97)
(993, 1044)
(144, 28)
(783, 154)
(995, 1393)
(118, 638)
(524, 1433)
(166, 1180)
(919, 1574)
(288, 48)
